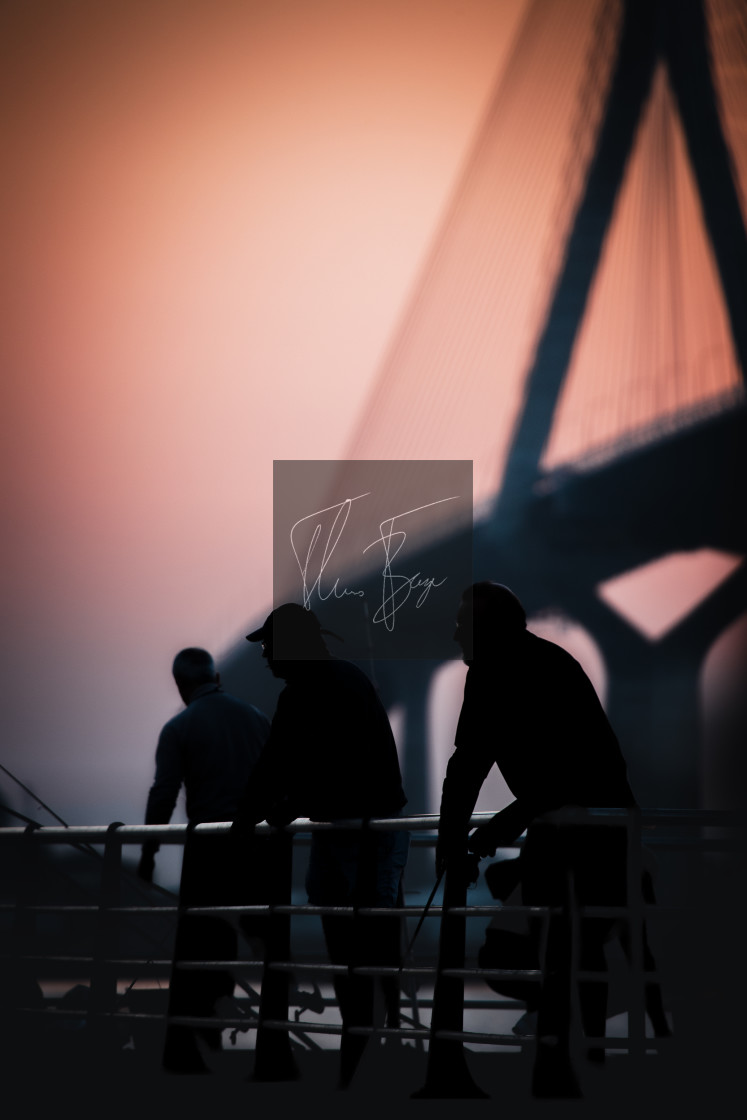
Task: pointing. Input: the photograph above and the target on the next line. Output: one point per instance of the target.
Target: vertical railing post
(106, 941)
(20, 987)
(636, 935)
(447, 1072)
(24, 922)
(274, 1060)
(553, 1074)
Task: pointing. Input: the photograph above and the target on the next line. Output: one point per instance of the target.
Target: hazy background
(214, 213)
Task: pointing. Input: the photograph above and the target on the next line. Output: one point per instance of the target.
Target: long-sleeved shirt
(212, 748)
(331, 754)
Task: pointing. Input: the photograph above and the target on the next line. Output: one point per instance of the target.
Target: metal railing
(23, 910)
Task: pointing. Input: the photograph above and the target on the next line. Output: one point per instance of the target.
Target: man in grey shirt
(211, 748)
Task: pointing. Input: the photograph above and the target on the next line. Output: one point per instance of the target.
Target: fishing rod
(134, 881)
(20, 816)
(423, 916)
(88, 849)
(80, 846)
(31, 794)
(469, 868)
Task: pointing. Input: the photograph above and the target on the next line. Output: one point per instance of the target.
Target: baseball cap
(293, 621)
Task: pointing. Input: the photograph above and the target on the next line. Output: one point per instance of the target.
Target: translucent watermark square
(379, 550)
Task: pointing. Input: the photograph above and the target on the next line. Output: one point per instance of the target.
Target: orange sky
(212, 214)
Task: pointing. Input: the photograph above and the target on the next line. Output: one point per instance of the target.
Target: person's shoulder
(251, 711)
(553, 662)
(344, 681)
(173, 726)
(351, 674)
(546, 650)
(345, 668)
(333, 668)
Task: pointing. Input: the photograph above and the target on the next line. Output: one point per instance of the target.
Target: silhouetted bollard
(447, 1073)
(274, 1060)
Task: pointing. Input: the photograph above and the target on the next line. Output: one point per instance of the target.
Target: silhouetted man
(331, 756)
(530, 709)
(211, 748)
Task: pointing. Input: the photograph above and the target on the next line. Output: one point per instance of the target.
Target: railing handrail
(428, 822)
(666, 827)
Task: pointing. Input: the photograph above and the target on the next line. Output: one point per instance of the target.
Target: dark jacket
(331, 754)
(534, 713)
(212, 748)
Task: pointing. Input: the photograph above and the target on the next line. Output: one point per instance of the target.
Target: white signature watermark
(327, 526)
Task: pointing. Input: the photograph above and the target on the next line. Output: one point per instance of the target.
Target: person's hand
(281, 813)
(482, 842)
(461, 863)
(503, 878)
(242, 829)
(442, 856)
(146, 866)
(499, 832)
(502, 829)
(469, 868)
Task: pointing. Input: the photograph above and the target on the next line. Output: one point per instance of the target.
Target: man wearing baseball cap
(331, 756)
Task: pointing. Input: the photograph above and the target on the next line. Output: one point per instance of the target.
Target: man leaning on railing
(530, 709)
(331, 756)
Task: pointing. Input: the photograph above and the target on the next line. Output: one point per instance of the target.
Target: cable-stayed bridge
(579, 332)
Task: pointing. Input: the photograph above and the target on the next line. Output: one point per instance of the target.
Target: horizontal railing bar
(699, 843)
(392, 1032)
(306, 910)
(83, 1012)
(494, 973)
(119, 962)
(359, 970)
(376, 970)
(585, 911)
(318, 968)
(176, 833)
(483, 1037)
(283, 1025)
(304, 1026)
(615, 1043)
(476, 1037)
(496, 1004)
(478, 911)
(302, 910)
(46, 908)
(326, 1028)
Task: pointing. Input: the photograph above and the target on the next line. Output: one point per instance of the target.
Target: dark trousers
(562, 867)
(216, 871)
(205, 881)
(359, 869)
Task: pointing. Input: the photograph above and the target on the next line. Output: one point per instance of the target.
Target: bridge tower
(595, 252)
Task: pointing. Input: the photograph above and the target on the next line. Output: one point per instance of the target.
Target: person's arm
(269, 780)
(162, 796)
(502, 829)
(467, 769)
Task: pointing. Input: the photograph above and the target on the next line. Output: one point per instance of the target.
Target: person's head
(490, 618)
(192, 668)
(290, 635)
